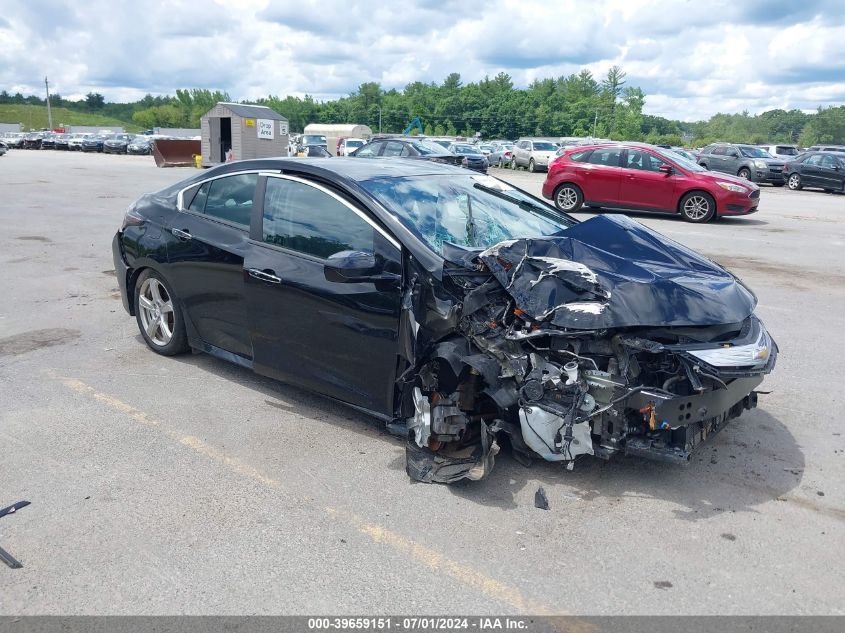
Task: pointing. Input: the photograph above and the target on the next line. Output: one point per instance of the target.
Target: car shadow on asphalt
(754, 460)
(289, 398)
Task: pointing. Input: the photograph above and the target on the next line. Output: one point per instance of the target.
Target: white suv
(533, 155)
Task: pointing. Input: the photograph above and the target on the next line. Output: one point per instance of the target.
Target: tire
(794, 182)
(568, 197)
(744, 173)
(158, 315)
(513, 164)
(697, 207)
(531, 166)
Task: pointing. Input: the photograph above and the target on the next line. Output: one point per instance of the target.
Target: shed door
(214, 139)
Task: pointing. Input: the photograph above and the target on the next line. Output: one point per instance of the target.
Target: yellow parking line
(421, 554)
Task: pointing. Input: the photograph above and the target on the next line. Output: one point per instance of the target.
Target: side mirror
(666, 169)
(348, 267)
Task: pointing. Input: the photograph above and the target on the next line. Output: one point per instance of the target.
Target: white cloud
(692, 58)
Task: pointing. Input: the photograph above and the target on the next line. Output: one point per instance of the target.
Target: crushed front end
(607, 340)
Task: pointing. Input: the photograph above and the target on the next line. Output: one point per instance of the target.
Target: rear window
(544, 147)
(786, 150)
(608, 157)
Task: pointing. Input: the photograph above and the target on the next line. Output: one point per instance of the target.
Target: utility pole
(49, 113)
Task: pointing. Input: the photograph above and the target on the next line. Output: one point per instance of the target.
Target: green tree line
(575, 105)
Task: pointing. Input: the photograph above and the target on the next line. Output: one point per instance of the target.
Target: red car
(645, 178)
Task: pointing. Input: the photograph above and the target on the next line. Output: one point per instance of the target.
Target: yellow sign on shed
(249, 122)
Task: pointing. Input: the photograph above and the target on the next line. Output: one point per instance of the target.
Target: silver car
(501, 154)
(533, 155)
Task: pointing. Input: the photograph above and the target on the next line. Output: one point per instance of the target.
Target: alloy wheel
(567, 198)
(696, 207)
(156, 309)
(794, 181)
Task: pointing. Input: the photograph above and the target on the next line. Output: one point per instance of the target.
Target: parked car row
(461, 154)
(84, 142)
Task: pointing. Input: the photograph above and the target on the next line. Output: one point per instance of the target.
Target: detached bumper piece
(5, 556)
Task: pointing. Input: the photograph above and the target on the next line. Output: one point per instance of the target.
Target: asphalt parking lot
(189, 485)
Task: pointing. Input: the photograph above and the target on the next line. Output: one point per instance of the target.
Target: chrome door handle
(260, 274)
(182, 235)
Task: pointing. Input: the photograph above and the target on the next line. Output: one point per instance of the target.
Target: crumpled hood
(610, 272)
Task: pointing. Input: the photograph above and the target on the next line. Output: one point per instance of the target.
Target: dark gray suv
(745, 161)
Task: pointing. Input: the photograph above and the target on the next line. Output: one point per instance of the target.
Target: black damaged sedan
(457, 309)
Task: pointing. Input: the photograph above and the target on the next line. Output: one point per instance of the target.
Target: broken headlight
(754, 354)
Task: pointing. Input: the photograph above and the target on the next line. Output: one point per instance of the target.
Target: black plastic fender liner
(442, 467)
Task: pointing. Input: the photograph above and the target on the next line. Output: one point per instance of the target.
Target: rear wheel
(698, 207)
(513, 164)
(744, 173)
(159, 317)
(794, 182)
(531, 167)
(568, 197)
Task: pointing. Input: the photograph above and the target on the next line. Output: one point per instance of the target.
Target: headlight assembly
(730, 186)
(754, 354)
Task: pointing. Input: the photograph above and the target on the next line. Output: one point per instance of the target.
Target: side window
(719, 151)
(230, 198)
(609, 157)
(580, 157)
(407, 151)
(303, 218)
(368, 151)
(392, 148)
(815, 159)
(194, 198)
(829, 161)
(638, 159)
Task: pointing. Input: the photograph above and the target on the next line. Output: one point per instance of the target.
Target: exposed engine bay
(607, 340)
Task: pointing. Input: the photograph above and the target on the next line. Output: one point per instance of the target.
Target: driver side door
(338, 338)
(643, 185)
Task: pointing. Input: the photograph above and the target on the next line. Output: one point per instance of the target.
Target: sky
(692, 58)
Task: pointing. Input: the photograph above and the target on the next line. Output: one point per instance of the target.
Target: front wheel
(744, 173)
(513, 164)
(568, 198)
(794, 182)
(159, 317)
(698, 207)
(531, 166)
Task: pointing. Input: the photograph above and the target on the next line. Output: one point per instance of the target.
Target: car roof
(354, 169)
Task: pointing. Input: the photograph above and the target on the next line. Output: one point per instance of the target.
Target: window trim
(180, 198)
(180, 195)
(259, 238)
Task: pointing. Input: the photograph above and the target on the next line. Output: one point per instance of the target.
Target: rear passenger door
(811, 171)
(336, 338)
(602, 176)
(830, 172)
(205, 254)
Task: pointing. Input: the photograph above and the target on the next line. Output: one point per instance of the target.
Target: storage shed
(335, 131)
(249, 131)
